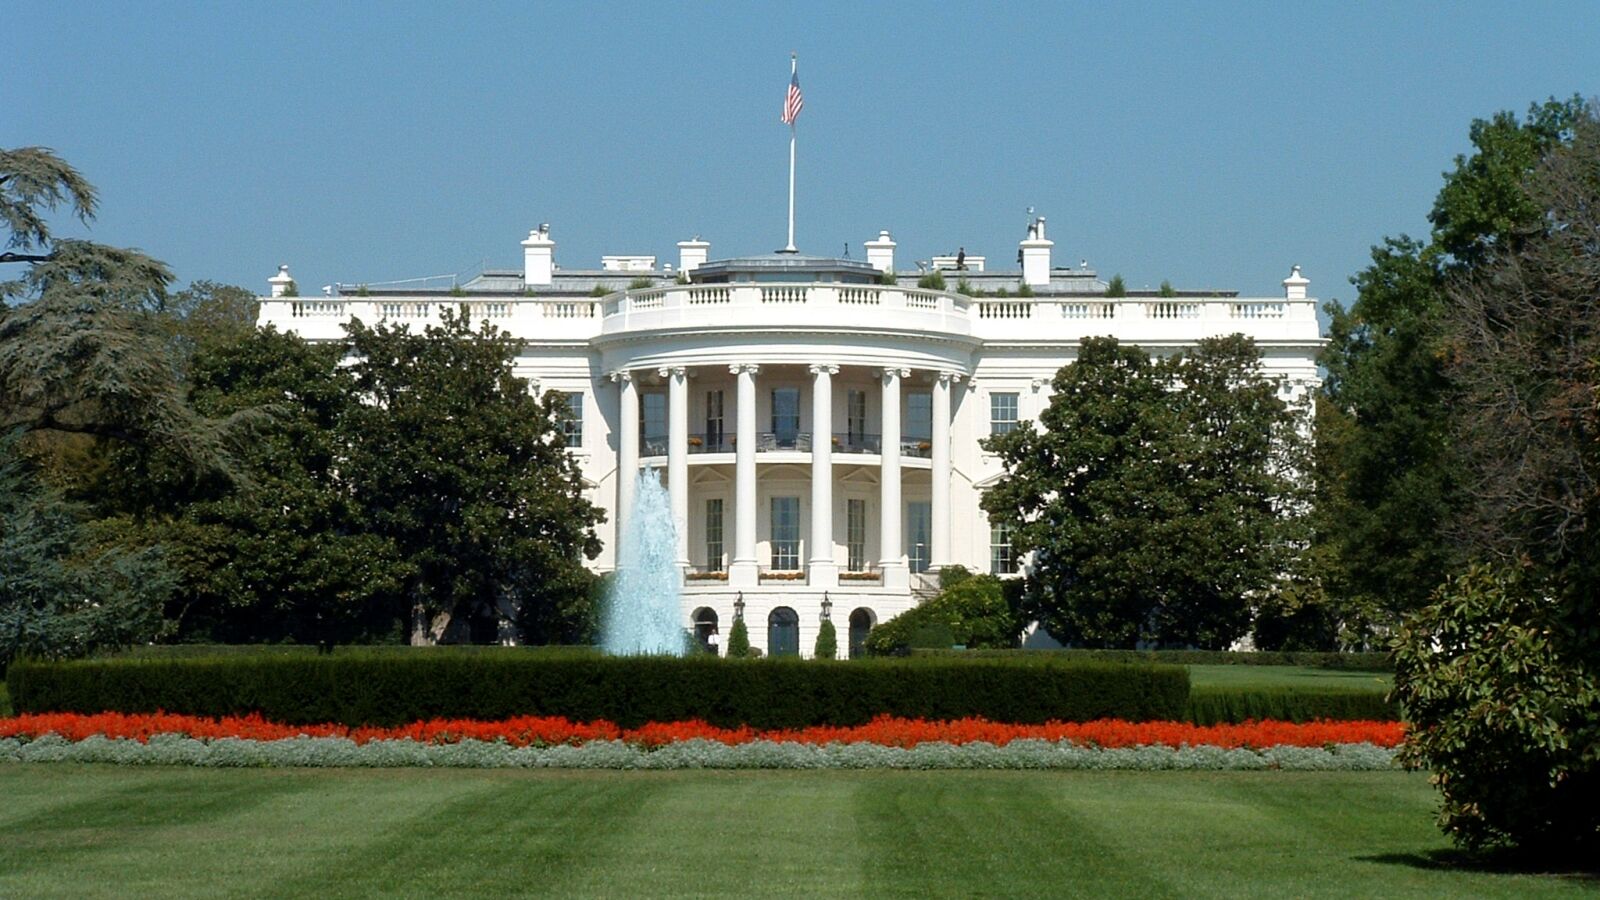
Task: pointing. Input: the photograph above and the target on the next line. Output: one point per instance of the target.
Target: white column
(744, 571)
(678, 456)
(891, 552)
(627, 452)
(822, 568)
(939, 552)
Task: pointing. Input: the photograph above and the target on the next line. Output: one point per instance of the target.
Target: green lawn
(102, 831)
(1225, 676)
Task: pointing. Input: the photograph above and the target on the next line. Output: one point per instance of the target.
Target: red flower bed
(887, 731)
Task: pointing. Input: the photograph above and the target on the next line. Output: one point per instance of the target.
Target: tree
(61, 595)
(1498, 673)
(453, 460)
(827, 641)
(79, 351)
(1166, 289)
(1116, 288)
(287, 554)
(1388, 480)
(738, 640)
(970, 610)
(1161, 499)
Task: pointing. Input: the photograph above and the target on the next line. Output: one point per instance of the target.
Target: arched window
(705, 625)
(861, 622)
(783, 632)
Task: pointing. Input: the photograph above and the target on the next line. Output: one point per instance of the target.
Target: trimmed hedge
(1212, 706)
(387, 689)
(1352, 662)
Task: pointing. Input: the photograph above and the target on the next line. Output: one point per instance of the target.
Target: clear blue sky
(1212, 144)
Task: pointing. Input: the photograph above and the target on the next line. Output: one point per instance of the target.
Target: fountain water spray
(643, 609)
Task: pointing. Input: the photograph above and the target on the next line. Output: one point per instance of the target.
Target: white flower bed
(691, 754)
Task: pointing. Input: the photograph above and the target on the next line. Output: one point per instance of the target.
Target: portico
(790, 464)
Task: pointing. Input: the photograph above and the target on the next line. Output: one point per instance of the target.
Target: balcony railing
(712, 442)
(791, 442)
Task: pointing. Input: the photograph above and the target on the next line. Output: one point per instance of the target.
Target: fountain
(643, 611)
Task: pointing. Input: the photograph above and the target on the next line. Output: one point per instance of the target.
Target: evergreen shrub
(355, 688)
(1349, 662)
(1213, 706)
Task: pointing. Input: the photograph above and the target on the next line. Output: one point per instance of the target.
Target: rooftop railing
(759, 305)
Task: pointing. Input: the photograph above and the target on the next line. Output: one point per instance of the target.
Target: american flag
(793, 102)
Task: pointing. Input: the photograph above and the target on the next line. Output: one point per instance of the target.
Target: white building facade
(815, 421)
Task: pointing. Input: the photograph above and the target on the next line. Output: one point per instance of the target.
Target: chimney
(880, 253)
(692, 254)
(538, 257)
(1036, 256)
(1294, 287)
(280, 282)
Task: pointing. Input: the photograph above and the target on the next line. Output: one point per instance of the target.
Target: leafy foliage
(1116, 287)
(827, 641)
(738, 640)
(1506, 717)
(467, 474)
(1498, 671)
(1387, 475)
(354, 687)
(971, 610)
(60, 595)
(933, 281)
(1161, 498)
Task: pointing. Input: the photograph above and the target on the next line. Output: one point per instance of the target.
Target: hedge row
(387, 689)
(1213, 706)
(1354, 662)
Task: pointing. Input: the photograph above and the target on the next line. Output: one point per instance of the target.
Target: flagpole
(793, 69)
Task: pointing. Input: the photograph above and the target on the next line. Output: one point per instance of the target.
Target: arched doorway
(705, 625)
(783, 632)
(861, 622)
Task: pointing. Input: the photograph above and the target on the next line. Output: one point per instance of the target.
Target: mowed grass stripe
(353, 833)
(979, 834)
(731, 834)
(499, 834)
(213, 832)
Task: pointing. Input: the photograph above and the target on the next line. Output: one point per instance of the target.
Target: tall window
(714, 421)
(855, 415)
(714, 535)
(1002, 558)
(785, 533)
(855, 534)
(919, 533)
(1002, 413)
(653, 423)
(572, 419)
(919, 416)
(786, 416)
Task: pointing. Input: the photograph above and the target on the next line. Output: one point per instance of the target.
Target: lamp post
(738, 607)
(827, 607)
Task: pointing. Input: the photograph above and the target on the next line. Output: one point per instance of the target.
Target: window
(714, 421)
(785, 534)
(1002, 558)
(1002, 413)
(786, 416)
(714, 535)
(919, 533)
(572, 419)
(855, 535)
(855, 416)
(919, 416)
(653, 424)
(783, 632)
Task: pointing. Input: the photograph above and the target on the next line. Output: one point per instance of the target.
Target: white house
(817, 422)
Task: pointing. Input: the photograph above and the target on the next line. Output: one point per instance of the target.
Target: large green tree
(1500, 673)
(1389, 481)
(62, 593)
(1161, 498)
(454, 460)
